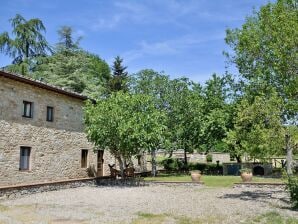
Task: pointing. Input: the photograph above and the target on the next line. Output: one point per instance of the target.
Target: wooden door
(100, 163)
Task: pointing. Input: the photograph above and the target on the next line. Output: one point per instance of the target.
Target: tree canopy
(124, 124)
(119, 79)
(73, 68)
(27, 43)
(265, 52)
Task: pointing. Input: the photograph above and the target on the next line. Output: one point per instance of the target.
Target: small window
(139, 160)
(27, 110)
(84, 158)
(25, 158)
(50, 114)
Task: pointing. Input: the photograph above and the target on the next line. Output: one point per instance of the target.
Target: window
(50, 113)
(25, 158)
(84, 158)
(139, 160)
(27, 110)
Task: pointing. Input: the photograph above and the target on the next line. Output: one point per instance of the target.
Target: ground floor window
(84, 158)
(50, 114)
(25, 158)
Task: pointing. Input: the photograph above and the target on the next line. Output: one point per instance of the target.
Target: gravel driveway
(125, 204)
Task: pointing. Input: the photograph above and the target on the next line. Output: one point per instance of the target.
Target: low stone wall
(10, 192)
(18, 190)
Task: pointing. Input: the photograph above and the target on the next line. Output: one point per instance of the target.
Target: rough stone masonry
(56, 146)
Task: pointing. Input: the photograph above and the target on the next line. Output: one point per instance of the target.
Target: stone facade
(55, 147)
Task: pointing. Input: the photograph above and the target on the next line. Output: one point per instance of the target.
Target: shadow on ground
(262, 196)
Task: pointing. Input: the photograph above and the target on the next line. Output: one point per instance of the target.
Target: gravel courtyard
(131, 204)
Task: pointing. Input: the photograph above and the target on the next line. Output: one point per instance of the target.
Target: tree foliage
(185, 115)
(156, 85)
(119, 79)
(258, 130)
(27, 42)
(66, 39)
(217, 114)
(265, 52)
(124, 124)
(73, 68)
(77, 71)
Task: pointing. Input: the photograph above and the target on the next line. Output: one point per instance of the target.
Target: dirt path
(125, 204)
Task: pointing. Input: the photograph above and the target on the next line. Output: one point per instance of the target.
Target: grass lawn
(212, 181)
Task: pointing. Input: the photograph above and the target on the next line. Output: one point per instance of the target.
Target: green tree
(265, 52)
(185, 115)
(73, 68)
(258, 129)
(77, 71)
(27, 43)
(217, 114)
(66, 39)
(119, 79)
(156, 85)
(124, 124)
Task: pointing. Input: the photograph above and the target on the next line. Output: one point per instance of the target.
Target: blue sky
(179, 37)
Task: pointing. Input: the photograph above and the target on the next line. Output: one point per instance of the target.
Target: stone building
(42, 135)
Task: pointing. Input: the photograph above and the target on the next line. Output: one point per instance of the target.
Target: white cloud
(141, 12)
(108, 23)
(169, 47)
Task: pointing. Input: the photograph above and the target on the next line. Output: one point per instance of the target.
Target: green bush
(209, 158)
(172, 164)
(197, 166)
(292, 186)
(206, 168)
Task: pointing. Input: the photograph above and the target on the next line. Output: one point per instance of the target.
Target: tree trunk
(27, 50)
(289, 154)
(238, 158)
(185, 158)
(121, 165)
(23, 69)
(153, 162)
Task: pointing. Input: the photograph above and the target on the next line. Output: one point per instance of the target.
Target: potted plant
(195, 175)
(246, 174)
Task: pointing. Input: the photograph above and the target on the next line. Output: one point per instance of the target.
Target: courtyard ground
(154, 204)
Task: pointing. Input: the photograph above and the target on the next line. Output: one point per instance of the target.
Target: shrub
(172, 164)
(206, 168)
(245, 170)
(292, 186)
(209, 158)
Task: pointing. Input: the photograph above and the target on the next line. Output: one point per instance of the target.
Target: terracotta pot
(246, 176)
(195, 175)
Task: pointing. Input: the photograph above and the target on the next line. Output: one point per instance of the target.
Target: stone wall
(68, 113)
(17, 191)
(221, 157)
(197, 158)
(55, 146)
